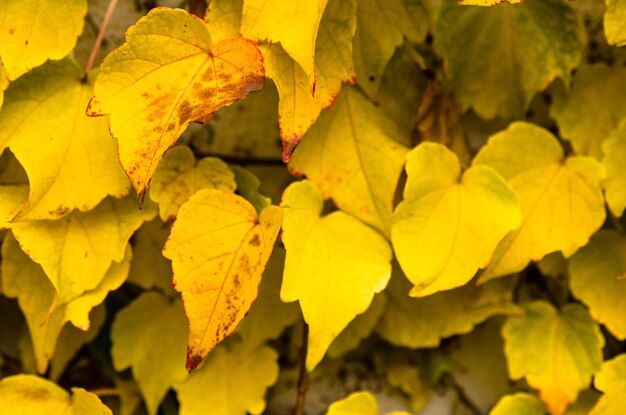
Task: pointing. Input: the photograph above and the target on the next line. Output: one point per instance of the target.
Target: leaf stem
(461, 395)
(100, 37)
(303, 379)
(616, 222)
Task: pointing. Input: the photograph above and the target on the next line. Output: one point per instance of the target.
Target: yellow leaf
(423, 322)
(614, 19)
(32, 395)
(322, 266)
(352, 155)
(157, 361)
(219, 246)
(248, 188)
(610, 380)
(614, 149)
(176, 75)
(560, 198)
(298, 107)
(69, 158)
(231, 381)
(223, 17)
(179, 176)
(597, 274)
(45, 315)
(33, 31)
(4, 82)
(12, 198)
(565, 351)
(486, 2)
(76, 250)
(293, 24)
(449, 224)
(358, 403)
(519, 403)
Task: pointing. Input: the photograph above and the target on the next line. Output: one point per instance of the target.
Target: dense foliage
(321, 206)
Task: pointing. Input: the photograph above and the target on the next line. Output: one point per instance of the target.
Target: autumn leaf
(139, 343)
(69, 158)
(610, 380)
(565, 351)
(25, 280)
(176, 76)
(614, 149)
(32, 32)
(4, 83)
(77, 250)
(180, 175)
(12, 198)
(381, 27)
(519, 403)
(593, 107)
(424, 322)
(449, 223)
(231, 381)
(322, 265)
(32, 395)
(352, 155)
(361, 403)
(512, 59)
(293, 24)
(219, 246)
(560, 198)
(248, 188)
(223, 17)
(597, 274)
(614, 19)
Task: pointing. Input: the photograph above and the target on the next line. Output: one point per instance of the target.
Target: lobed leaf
(614, 149)
(362, 403)
(519, 403)
(610, 380)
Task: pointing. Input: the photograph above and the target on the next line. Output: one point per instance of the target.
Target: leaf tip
(193, 360)
(289, 146)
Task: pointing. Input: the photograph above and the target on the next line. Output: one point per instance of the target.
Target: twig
(303, 379)
(463, 398)
(98, 42)
(91, 22)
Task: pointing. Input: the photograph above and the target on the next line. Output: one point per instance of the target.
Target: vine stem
(303, 379)
(100, 37)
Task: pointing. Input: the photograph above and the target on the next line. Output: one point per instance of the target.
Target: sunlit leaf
(33, 31)
(175, 75)
(150, 336)
(77, 250)
(180, 175)
(25, 280)
(560, 197)
(597, 274)
(323, 265)
(219, 246)
(611, 381)
(357, 403)
(231, 381)
(614, 19)
(565, 351)
(449, 223)
(70, 158)
(519, 403)
(614, 149)
(593, 108)
(32, 395)
(517, 51)
(352, 155)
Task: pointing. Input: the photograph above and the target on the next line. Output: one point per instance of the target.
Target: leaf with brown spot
(219, 246)
(167, 75)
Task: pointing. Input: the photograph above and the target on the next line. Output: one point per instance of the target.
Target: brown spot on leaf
(59, 211)
(11, 31)
(255, 241)
(193, 360)
(170, 127)
(184, 111)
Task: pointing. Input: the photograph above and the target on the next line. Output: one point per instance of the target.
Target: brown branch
(303, 379)
(100, 38)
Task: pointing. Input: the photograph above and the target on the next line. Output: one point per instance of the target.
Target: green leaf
(180, 175)
(77, 250)
(565, 351)
(597, 274)
(352, 155)
(611, 381)
(381, 27)
(322, 265)
(219, 246)
(519, 403)
(231, 381)
(33, 32)
(223, 17)
(45, 314)
(517, 51)
(614, 19)
(357, 403)
(150, 336)
(424, 322)
(70, 158)
(32, 395)
(449, 223)
(166, 75)
(593, 108)
(560, 197)
(614, 149)
(248, 187)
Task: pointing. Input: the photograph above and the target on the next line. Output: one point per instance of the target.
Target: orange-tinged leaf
(167, 75)
(219, 246)
(557, 351)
